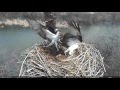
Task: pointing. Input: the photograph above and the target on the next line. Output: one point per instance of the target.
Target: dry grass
(41, 62)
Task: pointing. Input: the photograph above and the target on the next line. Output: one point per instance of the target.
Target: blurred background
(102, 29)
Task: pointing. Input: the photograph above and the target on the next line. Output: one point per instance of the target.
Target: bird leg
(54, 38)
(53, 42)
(59, 40)
(56, 45)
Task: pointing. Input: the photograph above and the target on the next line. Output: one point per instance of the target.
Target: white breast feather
(72, 48)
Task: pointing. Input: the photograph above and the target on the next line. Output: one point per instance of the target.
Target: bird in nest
(72, 38)
(50, 33)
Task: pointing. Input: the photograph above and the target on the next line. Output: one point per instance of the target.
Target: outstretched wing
(75, 25)
(32, 20)
(36, 25)
(39, 28)
(74, 36)
(42, 30)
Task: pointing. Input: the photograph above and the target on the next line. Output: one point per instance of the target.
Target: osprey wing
(38, 27)
(75, 25)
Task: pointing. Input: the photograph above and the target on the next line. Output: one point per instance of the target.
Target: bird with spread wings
(50, 33)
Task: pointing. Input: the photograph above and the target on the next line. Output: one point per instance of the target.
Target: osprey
(51, 26)
(51, 35)
(49, 32)
(55, 38)
(71, 40)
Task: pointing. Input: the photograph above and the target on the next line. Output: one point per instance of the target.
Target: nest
(39, 61)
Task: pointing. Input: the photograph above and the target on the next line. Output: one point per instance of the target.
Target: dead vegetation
(44, 62)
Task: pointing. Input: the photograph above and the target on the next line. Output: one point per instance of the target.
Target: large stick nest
(39, 61)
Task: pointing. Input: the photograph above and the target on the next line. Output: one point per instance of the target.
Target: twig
(43, 62)
(89, 63)
(23, 63)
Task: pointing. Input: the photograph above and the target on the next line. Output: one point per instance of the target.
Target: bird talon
(59, 41)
